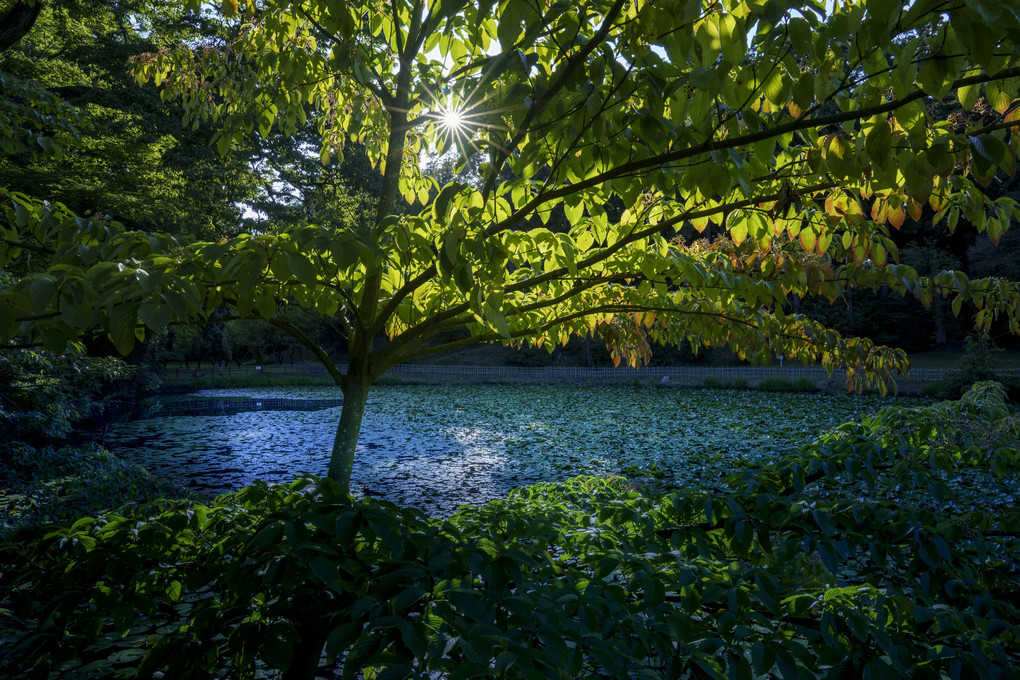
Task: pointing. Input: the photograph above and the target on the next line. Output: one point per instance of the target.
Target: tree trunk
(18, 21)
(307, 652)
(355, 389)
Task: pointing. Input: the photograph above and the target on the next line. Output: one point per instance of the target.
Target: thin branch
(561, 80)
(310, 344)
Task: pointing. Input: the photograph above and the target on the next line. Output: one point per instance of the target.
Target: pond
(440, 446)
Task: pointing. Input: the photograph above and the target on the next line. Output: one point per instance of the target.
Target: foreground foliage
(817, 567)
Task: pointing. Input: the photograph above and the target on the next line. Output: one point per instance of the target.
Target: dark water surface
(437, 447)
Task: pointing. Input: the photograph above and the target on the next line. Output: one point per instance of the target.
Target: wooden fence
(437, 372)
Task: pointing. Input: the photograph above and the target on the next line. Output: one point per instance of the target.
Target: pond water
(437, 447)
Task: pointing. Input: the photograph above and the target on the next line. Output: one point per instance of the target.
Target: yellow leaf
(738, 232)
(808, 239)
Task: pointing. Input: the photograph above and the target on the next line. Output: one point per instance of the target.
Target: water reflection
(437, 470)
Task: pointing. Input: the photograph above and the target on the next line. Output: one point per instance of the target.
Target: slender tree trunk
(355, 389)
(356, 382)
(307, 652)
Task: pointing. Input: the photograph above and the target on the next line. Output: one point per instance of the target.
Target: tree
(801, 134)
(127, 154)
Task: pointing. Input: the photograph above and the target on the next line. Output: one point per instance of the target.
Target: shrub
(774, 385)
(785, 385)
(46, 395)
(59, 484)
(978, 363)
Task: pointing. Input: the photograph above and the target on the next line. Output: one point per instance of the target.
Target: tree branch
(310, 344)
(17, 22)
(561, 80)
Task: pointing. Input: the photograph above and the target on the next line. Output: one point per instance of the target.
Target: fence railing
(682, 374)
(230, 406)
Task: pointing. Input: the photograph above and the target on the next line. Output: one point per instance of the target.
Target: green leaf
(838, 155)
(463, 277)
(395, 672)
(388, 532)
(738, 230)
(494, 315)
(969, 94)
(156, 316)
(441, 206)
(41, 291)
(121, 331)
(265, 303)
(878, 144)
(470, 603)
(327, 571)
(302, 268)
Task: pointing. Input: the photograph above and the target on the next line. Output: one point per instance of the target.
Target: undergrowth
(853, 558)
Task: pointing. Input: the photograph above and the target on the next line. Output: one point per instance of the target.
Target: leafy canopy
(79, 130)
(799, 131)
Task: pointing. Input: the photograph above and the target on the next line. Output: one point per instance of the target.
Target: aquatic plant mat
(437, 447)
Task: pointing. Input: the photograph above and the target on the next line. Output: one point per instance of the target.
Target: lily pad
(440, 446)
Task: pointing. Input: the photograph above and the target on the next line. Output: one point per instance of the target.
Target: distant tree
(801, 134)
(92, 138)
(206, 342)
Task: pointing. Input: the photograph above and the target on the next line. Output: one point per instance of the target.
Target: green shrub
(713, 383)
(805, 385)
(774, 385)
(815, 566)
(59, 484)
(785, 385)
(979, 363)
(46, 395)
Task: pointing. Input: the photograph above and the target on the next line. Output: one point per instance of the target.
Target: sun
(452, 118)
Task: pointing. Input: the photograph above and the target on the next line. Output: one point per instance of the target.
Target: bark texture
(346, 441)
